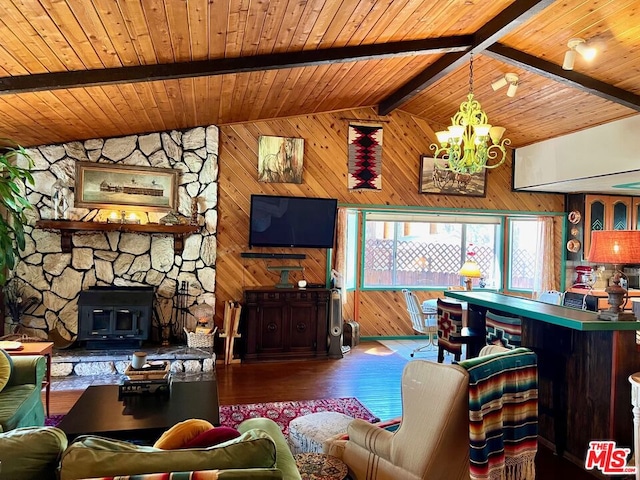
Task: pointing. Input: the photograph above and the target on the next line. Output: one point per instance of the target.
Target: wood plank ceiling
(79, 69)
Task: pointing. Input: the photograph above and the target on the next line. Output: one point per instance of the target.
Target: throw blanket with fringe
(503, 415)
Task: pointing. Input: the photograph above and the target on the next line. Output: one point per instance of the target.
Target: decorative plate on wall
(574, 216)
(573, 245)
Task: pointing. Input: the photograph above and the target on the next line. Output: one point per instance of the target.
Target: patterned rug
(280, 412)
(283, 412)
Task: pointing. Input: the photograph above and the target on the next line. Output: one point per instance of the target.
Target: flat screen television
(293, 222)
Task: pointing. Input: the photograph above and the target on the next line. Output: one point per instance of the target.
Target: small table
(38, 348)
(140, 416)
(320, 466)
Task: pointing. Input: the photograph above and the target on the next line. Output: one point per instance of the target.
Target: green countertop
(544, 312)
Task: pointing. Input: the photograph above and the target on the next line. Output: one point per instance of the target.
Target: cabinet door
(620, 213)
(605, 212)
(594, 209)
(303, 321)
(635, 213)
(271, 328)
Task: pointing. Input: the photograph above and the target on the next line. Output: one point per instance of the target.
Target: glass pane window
(523, 252)
(408, 252)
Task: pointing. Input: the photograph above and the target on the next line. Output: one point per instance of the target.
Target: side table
(38, 348)
(320, 466)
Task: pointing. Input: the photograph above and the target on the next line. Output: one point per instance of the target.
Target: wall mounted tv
(294, 222)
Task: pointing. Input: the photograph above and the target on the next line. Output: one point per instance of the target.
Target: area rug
(280, 412)
(283, 412)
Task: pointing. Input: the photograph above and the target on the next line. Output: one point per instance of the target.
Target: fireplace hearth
(114, 317)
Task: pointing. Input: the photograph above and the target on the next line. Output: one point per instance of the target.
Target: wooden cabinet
(285, 324)
(606, 212)
(598, 212)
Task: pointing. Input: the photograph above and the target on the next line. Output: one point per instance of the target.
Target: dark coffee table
(143, 417)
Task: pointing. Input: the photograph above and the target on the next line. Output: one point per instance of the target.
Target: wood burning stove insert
(115, 317)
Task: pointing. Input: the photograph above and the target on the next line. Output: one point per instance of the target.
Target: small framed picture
(435, 179)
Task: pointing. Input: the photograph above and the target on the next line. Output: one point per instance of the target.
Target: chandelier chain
(471, 73)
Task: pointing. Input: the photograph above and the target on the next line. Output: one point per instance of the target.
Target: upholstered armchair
(432, 440)
(446, 409)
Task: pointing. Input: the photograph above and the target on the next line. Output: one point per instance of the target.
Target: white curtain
(544, 274)
(339, 260)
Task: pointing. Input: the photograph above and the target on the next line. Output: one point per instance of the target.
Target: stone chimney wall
(55, 279)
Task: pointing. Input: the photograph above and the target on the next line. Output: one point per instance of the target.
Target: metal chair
(422, 323)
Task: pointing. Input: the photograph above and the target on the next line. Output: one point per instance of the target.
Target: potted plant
(13, 180)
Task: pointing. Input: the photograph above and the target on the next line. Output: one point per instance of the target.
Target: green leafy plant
(13, 180)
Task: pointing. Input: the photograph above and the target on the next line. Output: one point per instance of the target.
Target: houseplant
(13, 180)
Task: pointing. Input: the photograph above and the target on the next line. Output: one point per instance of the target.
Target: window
(524, 235)
(427, 250)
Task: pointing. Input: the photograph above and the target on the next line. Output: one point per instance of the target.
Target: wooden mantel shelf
(68, 227)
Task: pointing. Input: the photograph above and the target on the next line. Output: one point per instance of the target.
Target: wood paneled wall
(381, 313)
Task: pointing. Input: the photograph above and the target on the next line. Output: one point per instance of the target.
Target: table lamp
(616, 247)
(470, 269)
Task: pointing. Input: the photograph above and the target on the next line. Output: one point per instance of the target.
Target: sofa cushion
(93, 456)
(21, 406)
(6, 367)
(31, 452)
(211, 437)
(181, 433)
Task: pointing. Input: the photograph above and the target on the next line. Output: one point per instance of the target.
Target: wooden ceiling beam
(509, 19)
(223, 66)
(568, 77)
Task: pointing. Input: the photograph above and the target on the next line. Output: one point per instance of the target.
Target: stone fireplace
(56, 278)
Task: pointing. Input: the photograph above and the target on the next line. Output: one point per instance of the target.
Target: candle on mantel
(114, 217)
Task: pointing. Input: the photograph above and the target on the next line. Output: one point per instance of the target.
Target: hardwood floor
(371, 372)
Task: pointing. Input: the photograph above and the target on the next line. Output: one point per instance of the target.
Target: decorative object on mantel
(62, 199)
(615, 247)
(470, 143)
(170, 219)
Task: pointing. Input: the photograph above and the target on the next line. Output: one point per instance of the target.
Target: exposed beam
(510, 18)
(568, 77)
(147, 73)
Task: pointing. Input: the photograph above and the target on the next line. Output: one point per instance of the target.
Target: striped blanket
(503, 415)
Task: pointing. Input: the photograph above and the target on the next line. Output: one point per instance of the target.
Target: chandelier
(470, 143)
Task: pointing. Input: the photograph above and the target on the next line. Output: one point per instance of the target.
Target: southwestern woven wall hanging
(280, 159)
(365, 156)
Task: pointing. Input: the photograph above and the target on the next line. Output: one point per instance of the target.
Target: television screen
(292, 221)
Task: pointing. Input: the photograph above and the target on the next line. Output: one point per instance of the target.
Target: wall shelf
(67, 228)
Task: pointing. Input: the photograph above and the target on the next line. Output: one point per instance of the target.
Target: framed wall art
(280, 159)
(102, 185)
(439, 181)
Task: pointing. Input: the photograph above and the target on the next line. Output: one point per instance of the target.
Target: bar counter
(583, 369)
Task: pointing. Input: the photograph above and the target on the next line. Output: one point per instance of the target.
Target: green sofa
(260, 453)
(20, 399)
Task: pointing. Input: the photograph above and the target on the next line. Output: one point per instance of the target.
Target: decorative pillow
(181, 433)
(6, 368)
(92, 456)
(212, 437)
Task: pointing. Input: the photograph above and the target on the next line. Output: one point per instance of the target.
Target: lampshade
(470, 269)
(615, 247)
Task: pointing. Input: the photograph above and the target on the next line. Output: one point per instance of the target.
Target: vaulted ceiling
(79, 69)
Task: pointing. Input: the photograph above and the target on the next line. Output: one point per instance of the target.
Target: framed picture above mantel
(114, 186)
